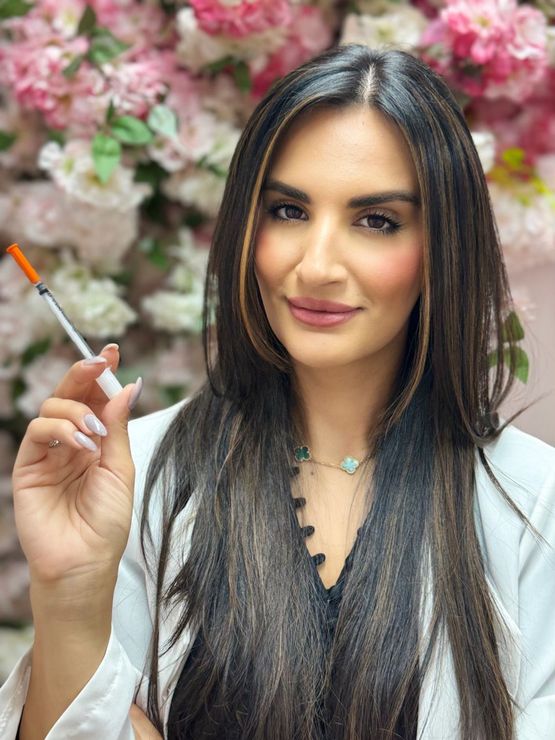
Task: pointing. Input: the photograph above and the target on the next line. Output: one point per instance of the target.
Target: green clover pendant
(349, 465)
(302, 454)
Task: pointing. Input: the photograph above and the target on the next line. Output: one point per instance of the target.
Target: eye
(380, 220)
(289, 212)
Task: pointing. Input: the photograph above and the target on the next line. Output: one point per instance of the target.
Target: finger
(115, 449)
(80, 380)
(79, 413)
(40, 431)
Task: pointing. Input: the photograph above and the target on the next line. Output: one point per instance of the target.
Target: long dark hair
(247, 583)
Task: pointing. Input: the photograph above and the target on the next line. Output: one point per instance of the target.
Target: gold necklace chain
(348, 465)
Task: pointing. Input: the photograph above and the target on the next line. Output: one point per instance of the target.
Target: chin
(319, 359)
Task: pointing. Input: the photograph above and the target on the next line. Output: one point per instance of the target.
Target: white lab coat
(521, 575)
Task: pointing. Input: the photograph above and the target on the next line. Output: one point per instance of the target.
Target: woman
(337, 538)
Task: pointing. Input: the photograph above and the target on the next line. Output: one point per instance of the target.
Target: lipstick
(321, 313)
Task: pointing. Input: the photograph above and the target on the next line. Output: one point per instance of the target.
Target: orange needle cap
(24, 263)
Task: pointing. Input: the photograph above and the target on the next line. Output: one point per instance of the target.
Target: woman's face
(324, 240)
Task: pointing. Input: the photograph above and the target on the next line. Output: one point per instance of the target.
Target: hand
(72, 505)
(144, 729)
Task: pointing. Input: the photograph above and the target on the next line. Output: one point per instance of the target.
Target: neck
(340, 407)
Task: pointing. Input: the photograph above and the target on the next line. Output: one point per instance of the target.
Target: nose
(320, 259)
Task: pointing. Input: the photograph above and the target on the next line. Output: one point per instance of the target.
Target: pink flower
(141, 24)
(489, 48)
(242, 17)
(307, 35)
(33, 70)
(137, 83)
(530, 126)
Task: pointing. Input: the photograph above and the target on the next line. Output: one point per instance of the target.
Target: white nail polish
(95, 425)
(84, 441)
(95, 361)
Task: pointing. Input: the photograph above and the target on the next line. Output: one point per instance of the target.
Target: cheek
(396, 275)
(269, 259)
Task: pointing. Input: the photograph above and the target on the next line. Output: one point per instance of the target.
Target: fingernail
(135, 393)
(95, 360)
(85, 441)
(95, 425)
(112, 345)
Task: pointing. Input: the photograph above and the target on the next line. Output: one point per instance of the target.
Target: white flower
(174, 312)
(191, 268)
(196, 187)
(545, 165)
(527, 231)
(23, 321)
(485, 144)
(41, 377)
(197, 48)
(400, 27)
(201, 136)
(45, 216)
(93, 304)
(172, 366)
(72, 169)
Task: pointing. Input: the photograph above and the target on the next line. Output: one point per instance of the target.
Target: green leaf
(7, 138)
(87, 22)
(106, 154)
(110, 113)
(57, 136)
(522, 364)
(512, 328)
(514, 157)
(13, 8)
(131, 130)
(123, 277)
(153, 250)
(18, 388)
(73, 66)
(163, 120)
(492, 358)
(35, 349)
(217, 66)
(242, 76)
(193, 219)
(104, 46)
(151, 173)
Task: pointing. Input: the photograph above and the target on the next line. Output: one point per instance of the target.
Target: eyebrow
(361, 201)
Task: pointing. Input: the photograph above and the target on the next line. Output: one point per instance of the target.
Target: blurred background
(118, 119)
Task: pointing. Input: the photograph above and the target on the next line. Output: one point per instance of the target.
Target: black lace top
(214, 727)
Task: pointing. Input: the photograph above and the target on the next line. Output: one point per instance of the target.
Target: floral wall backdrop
(118, 119)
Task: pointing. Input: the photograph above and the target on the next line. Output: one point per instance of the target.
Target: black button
(307, 531)
(319, 558)
(299, 502)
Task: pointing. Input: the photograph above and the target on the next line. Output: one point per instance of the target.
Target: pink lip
(320, 313)
(315, 304)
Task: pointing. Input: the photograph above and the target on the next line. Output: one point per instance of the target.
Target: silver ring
(54, 443)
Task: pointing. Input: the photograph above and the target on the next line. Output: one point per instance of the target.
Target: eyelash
(393, 224)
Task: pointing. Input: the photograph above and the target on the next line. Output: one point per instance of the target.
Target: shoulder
(524, 466)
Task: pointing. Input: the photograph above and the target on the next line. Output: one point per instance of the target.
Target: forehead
(355, 147)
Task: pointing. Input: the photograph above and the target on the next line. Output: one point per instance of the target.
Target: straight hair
(246, 583)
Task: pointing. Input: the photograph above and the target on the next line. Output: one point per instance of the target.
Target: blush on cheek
(403, 271)
(268, 257)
